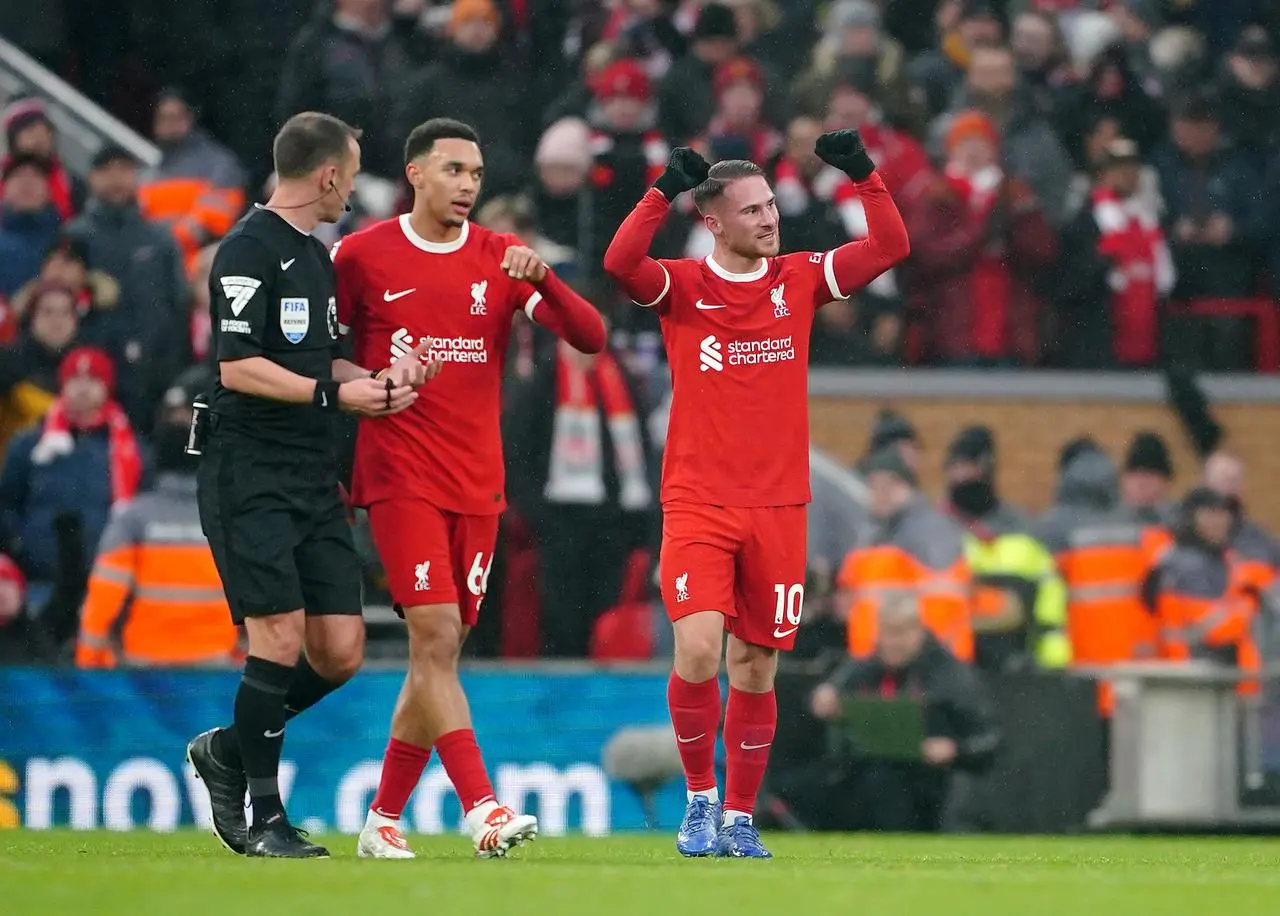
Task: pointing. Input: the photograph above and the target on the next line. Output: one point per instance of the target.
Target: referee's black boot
(227, 787)
(278, 839)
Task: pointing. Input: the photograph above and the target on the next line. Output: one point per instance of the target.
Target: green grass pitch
(188, 874)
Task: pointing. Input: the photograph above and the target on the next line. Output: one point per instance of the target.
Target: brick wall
(1030, 433)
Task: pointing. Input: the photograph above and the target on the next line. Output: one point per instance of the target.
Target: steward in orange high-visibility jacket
(1203, 597)
(154, 595)
(911, 549)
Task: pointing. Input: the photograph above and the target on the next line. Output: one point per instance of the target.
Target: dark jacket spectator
(685, 98)
(1213, 210)
(150, 324)
(352, 62)
(937, 74)
(477, 81)
(564, 163)
(28, 221)
(1111, 89)
(981, 242)
(81, 460)
(1248, 88)
(854, 42)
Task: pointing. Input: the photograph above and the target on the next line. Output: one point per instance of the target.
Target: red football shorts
(748, 564)
(434, 557)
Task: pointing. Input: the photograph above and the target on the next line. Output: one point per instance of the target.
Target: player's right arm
(242, 284)
(627, 260)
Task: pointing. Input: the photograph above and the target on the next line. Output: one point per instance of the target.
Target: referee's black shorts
(278, 531)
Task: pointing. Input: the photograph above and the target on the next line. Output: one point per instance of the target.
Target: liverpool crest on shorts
(295, 319)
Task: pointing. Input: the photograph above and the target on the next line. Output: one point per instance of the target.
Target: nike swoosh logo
(779, 633)
(687, 740)
(285, 265)
(753, 747)
(271, 734)
(324, 402)
(389, 296)
(706, 308)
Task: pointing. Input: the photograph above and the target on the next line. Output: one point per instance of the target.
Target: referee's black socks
(259, 724)
(306, 689)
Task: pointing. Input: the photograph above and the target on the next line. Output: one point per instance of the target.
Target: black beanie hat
(1149, 452)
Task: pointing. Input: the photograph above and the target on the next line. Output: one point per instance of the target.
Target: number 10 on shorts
(790, 604)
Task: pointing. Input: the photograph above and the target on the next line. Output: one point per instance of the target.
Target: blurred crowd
(1085, 183)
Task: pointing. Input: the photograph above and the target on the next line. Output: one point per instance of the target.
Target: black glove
(844, 150)
(685, 171)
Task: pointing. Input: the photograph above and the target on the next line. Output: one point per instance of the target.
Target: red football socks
(461, 758)
(750, 720)
(695, 713)
(402, 767)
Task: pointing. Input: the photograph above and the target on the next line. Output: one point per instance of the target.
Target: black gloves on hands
(685, 171)
(844, 150)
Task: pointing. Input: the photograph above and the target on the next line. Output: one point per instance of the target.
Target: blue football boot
(697, 836)
(740, 840)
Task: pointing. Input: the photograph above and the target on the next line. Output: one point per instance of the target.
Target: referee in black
(268, 480)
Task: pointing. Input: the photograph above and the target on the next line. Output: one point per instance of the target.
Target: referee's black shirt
(273, 294)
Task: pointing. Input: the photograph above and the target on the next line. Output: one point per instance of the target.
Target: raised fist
(685, 171)
(845, 150)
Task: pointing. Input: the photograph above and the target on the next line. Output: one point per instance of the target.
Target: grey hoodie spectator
(1032, 151)
(936, 75)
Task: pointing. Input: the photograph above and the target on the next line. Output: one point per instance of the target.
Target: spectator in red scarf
(628, 152)
(75, 466)
(581, 472)
(979, 243)
(1116, 270)
(28, 131)
(853, 104)
(738, 128)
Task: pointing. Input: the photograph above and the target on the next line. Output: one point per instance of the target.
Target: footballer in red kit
(434, 284)
(735, 474)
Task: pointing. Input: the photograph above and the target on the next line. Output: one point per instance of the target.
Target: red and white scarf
(837, 189)
(124, 459)
(576, 475)
(1142, 272)
(656, 154)
(990, 286)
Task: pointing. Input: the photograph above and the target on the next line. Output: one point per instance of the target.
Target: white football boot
(381, 839)
(495, 829)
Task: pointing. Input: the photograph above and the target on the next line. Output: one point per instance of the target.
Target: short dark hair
(425, 135)
(721, 175)
(309, 140)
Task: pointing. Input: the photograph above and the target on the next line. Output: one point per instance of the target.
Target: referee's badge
(331, 318)
(295, 319)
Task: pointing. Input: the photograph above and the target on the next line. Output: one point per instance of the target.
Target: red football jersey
(396, 289)
(738, 346)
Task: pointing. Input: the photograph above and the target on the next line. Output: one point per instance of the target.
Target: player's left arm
(552, 303)
(852, 266)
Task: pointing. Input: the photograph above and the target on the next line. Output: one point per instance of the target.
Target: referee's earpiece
(334, 188)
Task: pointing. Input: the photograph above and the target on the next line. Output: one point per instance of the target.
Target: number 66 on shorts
(748, 563)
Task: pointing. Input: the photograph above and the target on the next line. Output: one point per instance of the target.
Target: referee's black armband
(326, 394)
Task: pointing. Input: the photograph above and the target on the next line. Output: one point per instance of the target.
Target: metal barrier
(83, 127)
(1187, 749)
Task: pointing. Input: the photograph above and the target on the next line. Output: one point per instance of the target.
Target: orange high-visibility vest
(882, 572)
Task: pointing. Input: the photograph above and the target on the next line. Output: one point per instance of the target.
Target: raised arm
(627, 260)
(856, 264)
